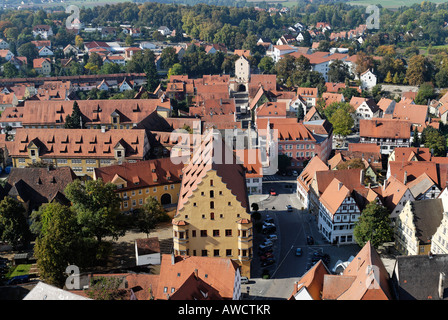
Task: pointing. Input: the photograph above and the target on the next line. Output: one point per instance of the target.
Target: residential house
(364, 109)
(129, 52)
(118, 59)
(212, 217)
(416, 225)
(157, 178)
(4, 44)
(147, 251)
(41, 43)
(299, 141)
(306, 177)
(6, 54)
(386, 106)
(70, 50)
(8, 100)
(368, 79)
(252, 162)
(198, 278)
(310, 95)
(387, 133)
(330, 98)
(44, 31)
(42, 66)
(164, 30)
(395, 194)
(36, 186)
(81, 149)
(364, 278)
(11, 117)
(420, 277)
(45, 52)
(417, 115)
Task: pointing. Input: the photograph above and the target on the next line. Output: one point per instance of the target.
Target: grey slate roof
(417, 277)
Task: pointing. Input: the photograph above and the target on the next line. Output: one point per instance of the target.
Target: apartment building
(83, 150)
(213, 211)
(386, 133)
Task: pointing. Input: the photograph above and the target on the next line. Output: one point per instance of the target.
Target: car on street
(267, 262)
(289, 207)
(295, 173)
(266, 255)
(309, 240)
(244, 280)
(264, 246)
(265, 251)
(298, 252)
(271, 237)
(272, 192)
(267, 229)
(269, 219)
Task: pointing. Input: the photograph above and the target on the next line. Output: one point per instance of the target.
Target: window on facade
(212, 205)
(228, 232)
(228, 252)
(204, 253)
(216, 253)
(216, 233)
(193, 233)
(212, 194)
(212, 216)
(203, 233)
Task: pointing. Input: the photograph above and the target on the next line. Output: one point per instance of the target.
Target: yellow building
(159, 178)
(83, 150)
(212, 217)
(416, 226)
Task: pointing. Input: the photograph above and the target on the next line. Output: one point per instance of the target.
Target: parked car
(271, 237)
(309, 240)
(244, 280)
(295, 173)
(272, 192)
(266, 255)
(298, 252)
(289, 208)
(269, 219)
(263, 246)
(268, 229)
(267, 250)
(267, 262)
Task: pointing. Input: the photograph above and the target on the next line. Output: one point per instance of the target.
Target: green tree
(416, 140)
(419, 70)
(28, 50)
(436, 142)
(300, 113)
(14, 228)
(97, 208)
(169, 57)
(425, 92)
(74, 120)
(57, 245)
(338, 71)
(148, 216)
(342, 122)
(266, 65)
(176, 69)
(388, 77)
(9, 70)
(373, 225)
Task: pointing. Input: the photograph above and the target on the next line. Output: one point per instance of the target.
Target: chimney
(441, 281)
(339, 186)
(361, 177)
(196, 274)
(173, 259)
(405, 179)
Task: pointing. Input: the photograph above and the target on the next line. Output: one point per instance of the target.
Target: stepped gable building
(213, 212)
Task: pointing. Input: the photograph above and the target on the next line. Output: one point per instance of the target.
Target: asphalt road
(292, 231)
